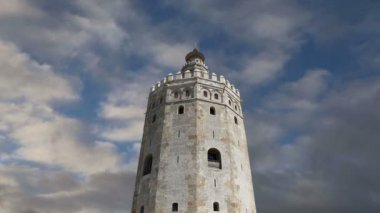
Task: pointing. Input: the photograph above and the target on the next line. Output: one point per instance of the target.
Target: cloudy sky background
(75, 75)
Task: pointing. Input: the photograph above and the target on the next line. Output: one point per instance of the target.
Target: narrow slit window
(235, 107)
(229, 102)
(148, 165)
(212, 110)
(181, 109)
(216, 96)
(161, 99)
(213, 134)
(175, 207)
(214, 182)
(177, 159)
(179, 133)
(154, 118)
(205, 93)
(236, 120)
(216, 206)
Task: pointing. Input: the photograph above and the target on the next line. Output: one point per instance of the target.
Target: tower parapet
(187, 74)
(194, 153)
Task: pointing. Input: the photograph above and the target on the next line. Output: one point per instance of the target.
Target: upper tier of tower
(195, 67)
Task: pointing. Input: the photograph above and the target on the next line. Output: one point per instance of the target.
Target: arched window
(187, 93)
(181, 109)
(229, 102)
(142, 209)
(214, 158)
(175, 207)
(154, 118)
(216, 96)
(148, 165)
(236, 120)
(216, 206)
(176, 95)
(212, 110)
(205, 93)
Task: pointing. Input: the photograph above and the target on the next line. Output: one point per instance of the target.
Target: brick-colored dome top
(195, 53)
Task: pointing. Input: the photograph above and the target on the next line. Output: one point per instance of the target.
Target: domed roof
(195, 53)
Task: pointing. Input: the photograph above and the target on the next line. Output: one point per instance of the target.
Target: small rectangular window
(181, 109)
(216, 206)
(175, 207)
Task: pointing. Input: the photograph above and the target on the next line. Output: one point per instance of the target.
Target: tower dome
(193, 55)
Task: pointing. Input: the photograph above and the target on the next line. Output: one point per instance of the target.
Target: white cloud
(23, 78)
(130, 131)
(301, 94)
(35, 190)
(263, 67)
(16, 7)
(275, 29)
(111, 111)
(124, 112)
(27, 91)
(55, 142)
(170, 55)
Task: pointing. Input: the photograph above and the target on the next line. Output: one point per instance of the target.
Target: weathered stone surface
(181, 172)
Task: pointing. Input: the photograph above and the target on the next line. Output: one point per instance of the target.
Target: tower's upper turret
(195, 60)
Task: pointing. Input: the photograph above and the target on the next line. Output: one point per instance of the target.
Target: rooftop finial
(195, 54)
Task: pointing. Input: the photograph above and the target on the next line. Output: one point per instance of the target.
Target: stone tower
(194, 155)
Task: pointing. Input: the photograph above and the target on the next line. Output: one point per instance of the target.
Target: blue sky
(75, 75)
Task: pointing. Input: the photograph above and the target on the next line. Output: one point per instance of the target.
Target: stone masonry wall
(179, 144)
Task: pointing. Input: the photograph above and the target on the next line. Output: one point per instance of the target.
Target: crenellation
(214, 77)
(170, 77)
(187, 74)
(178, 75)
(228, 84)
(222, 79)
(205, 74)
(197, 73)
